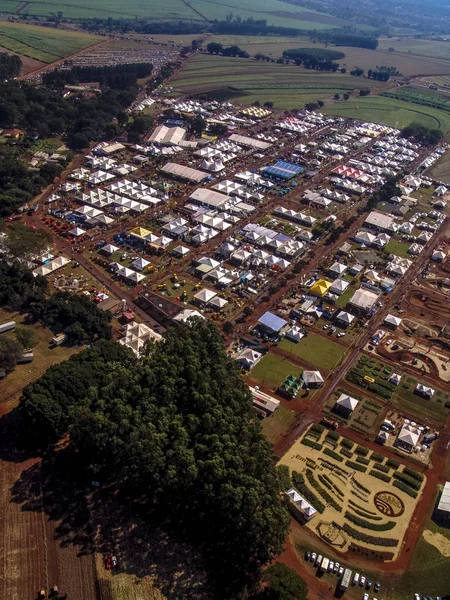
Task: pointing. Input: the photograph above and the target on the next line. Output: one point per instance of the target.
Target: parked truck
(7, 326)
(346, 579)
(324, 565)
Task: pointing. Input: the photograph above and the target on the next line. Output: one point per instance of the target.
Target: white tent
(204, 296)
(77, 231)
(140, 263)
(109, 249)
(218, 302)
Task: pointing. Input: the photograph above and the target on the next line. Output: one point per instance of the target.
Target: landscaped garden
(364, 500)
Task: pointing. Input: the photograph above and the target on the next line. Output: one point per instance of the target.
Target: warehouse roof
(363, 299)
(210, 198)
(184, 172)
(444, 502)
(381, 221)
(243, 140)
(167, 135)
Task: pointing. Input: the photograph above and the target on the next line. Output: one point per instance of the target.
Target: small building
(295, 334)
(443, 508)
(392, 321)
(312, 380)
(345, 405)
(363, 300)
(299, 506)
(407, 438)
(248, 358)
(395, 379)
(343, 318)
(263, 402)
(271, 323)
(382, 437)
(424, 391)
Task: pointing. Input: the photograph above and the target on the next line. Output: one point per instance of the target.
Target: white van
(355, 578)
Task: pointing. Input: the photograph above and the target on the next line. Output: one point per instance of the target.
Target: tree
(178, 432)
(10, 352)
(197, 124)
(214, 48)
(336, 97)
(268, 104)
(23, 243)
(141, 124)
(284, 584)
(346, 96)
(26, 337)
(357, 72)
(365, 92)
(311, 105)
(228, 327)
(320, 103)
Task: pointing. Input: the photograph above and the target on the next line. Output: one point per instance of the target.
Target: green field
(421, 97)
(247, 80)
(275, 12)
(272, 370)
(397, 247)
(388, 111)
(43, 43)
(415, 46)
(277, 423)
(315, 349)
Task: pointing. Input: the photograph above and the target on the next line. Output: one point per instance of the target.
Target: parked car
(307, 555)
(389, 342)
(368, 584)
(341, 571)
(330, 566)
(366, 597)
(336, 567)
(416, 596)
(362, 581)
(319, 560)
(313, 557)
(377, 586)
(325, 327)
(341, 334)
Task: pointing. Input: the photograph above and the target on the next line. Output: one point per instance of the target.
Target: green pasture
(388, 111)
(272, 370)
(43, 43)
(317, 350)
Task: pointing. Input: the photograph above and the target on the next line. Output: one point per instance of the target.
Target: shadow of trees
(101, 519)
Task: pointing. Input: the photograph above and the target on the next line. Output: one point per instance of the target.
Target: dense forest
(10, 65)
(117, 76)
(175, 430)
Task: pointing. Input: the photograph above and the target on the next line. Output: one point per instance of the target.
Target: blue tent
(272, 322)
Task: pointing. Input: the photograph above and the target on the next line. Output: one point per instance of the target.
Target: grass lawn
(272, 370)
(315, 349)
(430, 410)
(277, 423)
(441, 168)
(44, 357)
(388, 111)
(398, 248)
(345, 297)
(428, 572)
(43, 43)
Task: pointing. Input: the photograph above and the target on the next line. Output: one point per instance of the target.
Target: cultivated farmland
(276, 12)
(42, 43)
(248, 80)
(390, 112)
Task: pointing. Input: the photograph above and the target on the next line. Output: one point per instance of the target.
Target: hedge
(333, 435)
(377, 457)
(383, 468)
(381, 476)
(408, 480)
(361, 487)
(367, 525)
(362, 513)
(311, 444)
(362, 451)
(317, 427)
(391, 462)
(299, 483)
(354, 465)
(366, 510)
(347, 443)
(363, 461)
(325, 495)
(346, 453)
(369, 539)
(413, 473)
(405, 488)
(334, 455)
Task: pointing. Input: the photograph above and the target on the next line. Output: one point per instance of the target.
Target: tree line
(176, 431)
(347, 38)
(420, 133)
(116, 76)
(10, 65)
(216, 48)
